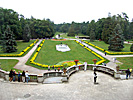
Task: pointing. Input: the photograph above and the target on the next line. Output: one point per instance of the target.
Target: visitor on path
(10, 75)
(27, 76)
(127, 73)
(95, 77)
(130, 72)
(114, 59)
(23, 76)
(85, 66)
(48, 68)
(105, 53)
(55, 69)
(19, 76)
(14, 77)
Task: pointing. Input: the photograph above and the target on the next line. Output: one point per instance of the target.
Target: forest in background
(46, 28)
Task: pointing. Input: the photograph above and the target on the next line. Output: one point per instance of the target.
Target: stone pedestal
(64, 78)
(40, 78)
(117, 75)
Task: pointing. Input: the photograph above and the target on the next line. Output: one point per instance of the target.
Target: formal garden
(18, 35)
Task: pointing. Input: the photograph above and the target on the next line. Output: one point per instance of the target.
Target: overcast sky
(67, 11)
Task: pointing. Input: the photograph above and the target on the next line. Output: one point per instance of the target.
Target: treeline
(45, 28)
(17, 22)
(101, 29)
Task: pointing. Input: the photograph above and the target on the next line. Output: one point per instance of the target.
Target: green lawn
(8, 64)
(21, 46)
(50, 56)
(127, 62)
(101, 44)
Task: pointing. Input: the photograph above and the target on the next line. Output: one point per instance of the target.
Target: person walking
(115, 59)
(19, 76)
(27, 76)
(14, 77)
(10, 75)
(23, 76)
(95, 77)
(130, 72)
(48, 68)
(105, 53)
(127, 73)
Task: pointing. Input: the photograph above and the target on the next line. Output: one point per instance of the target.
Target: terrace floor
(79, 87)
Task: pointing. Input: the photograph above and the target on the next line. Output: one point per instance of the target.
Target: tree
(8, 41)
(26, 34)
(92, 25)
(116, 39)
(131, 48)
(92, 35)
(131, 30)
(107, 29)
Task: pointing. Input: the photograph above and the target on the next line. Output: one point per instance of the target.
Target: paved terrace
(80, 87)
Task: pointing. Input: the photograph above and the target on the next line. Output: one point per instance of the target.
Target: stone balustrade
(69, 71)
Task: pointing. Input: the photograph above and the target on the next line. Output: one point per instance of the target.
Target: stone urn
(64, 71)
(117, 68)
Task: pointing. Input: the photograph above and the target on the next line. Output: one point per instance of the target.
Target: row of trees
(17, 22)
(102, 28)
(117, 26)
(16, 27)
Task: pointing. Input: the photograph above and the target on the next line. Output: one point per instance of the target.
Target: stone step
(52, 80)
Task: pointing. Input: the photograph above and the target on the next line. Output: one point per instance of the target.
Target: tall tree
(131, 30)
(26, 34)
(116, 40)
(107, 29)
(8, 41)
(92, 35)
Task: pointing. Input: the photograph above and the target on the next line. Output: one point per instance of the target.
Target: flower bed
(111, 53)
(59, 39)
(99, 62)
(35, 55)
(21, 53)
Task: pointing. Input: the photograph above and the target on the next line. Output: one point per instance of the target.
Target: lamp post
(76, 62)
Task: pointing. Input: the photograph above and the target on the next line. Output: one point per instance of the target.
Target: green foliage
(131, 30)
(116, 40)
(92, 35)
(26, 34)
(8, 64)
(127, 62)
(48, 53)
(8, 41)
(131, 48)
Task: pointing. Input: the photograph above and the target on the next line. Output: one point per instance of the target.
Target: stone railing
(69, 71)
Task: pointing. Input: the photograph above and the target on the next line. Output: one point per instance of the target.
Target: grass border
(110, 53)
(24, 52)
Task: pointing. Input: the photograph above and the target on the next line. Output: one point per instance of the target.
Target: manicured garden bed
(48, 54)
(100, 45)
(127, 62)
(103, 45)
(8, 64)
(23, 48)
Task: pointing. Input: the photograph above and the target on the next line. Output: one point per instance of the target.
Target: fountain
(62, 47)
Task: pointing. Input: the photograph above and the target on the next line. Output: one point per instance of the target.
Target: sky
(60, 11)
